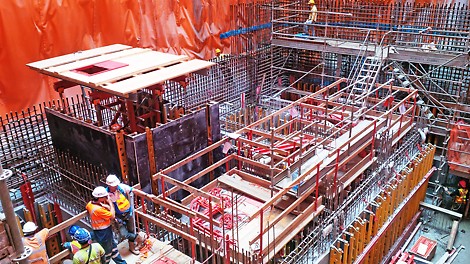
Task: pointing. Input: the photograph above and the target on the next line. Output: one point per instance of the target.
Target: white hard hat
(29, 227)
(112, 180)
(99, 192)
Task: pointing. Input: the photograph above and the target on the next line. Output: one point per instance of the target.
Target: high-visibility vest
(462, 198)
(97, 223)
(75, 246)
(122, 202)
(39, 254)
(95, 255)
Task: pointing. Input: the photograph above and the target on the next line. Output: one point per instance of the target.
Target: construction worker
(73, 246)
(102, 214)
(122, 197)
(460, 193)
(312, 17)
(218, 52)
(37, 242)
(89, 253)
(219, 55)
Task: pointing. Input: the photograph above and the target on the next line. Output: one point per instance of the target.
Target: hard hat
(112, 180)
(218, 51)
(73, 229)
(82, 236)
(99, 192)
(463, 183)
(29, 227)
(311, 2)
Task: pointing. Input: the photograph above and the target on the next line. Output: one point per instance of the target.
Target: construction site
(311, 132)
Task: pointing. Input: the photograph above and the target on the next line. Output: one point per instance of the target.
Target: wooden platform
(249, 198)
(160, 251)
(119, 69)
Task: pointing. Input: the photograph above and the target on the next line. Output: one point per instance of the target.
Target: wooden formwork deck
(247, 199)
(160, 251)
(119, 69)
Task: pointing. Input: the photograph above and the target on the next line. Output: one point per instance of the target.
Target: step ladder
(411, 80)
(365, 80)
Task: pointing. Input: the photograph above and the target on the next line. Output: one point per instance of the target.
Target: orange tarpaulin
(459, 147)
(36, 30)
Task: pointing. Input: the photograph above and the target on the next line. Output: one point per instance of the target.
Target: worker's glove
(66, 245)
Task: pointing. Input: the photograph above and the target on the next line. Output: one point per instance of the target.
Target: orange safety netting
(35, 30)
(459, 147)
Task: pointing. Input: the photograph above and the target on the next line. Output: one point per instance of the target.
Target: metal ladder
(365, 79)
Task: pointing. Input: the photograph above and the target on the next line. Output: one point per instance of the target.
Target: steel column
(10, 214)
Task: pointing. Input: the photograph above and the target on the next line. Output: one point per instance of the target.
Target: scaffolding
(425, 47)
(294, 167)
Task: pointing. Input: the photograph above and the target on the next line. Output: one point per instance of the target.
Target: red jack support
(28, 196)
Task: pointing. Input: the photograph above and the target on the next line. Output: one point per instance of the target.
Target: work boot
(132, 248)
(139, 240)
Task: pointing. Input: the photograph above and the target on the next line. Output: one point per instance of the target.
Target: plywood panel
(137, 64)
(80, 55)
(62, 69)
(88, 142)
(159, 76)
(247, 188)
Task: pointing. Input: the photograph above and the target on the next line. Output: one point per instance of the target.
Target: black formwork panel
(85, 141)
(173, 142)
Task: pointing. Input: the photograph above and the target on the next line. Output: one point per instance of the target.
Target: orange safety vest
(462, 198)
(97, 222)
(39, 254)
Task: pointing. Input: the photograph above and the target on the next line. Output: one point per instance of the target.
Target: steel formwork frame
(303, 138)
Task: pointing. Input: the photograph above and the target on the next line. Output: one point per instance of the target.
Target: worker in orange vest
(102, 214)
(460, 193)
(122, 197)
(37, 242)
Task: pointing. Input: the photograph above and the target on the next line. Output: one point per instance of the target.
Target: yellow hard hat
(311, 2)
(218, 51)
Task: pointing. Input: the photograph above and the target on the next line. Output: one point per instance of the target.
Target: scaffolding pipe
(10, 215)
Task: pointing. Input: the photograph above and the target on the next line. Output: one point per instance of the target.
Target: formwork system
(282, 176)
(416, 45)
(315, 127)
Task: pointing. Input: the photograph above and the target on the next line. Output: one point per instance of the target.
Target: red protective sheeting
(35, 30)
(459, 147)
